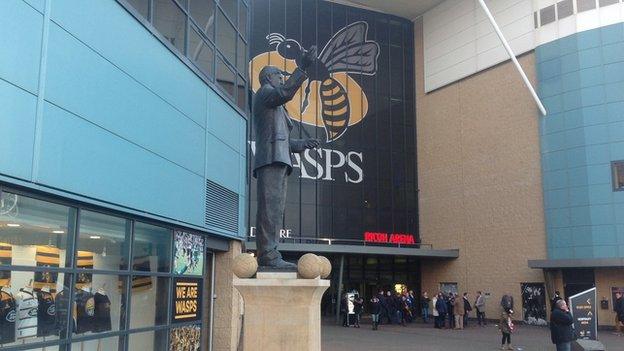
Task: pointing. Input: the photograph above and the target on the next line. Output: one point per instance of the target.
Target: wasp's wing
(348, 51)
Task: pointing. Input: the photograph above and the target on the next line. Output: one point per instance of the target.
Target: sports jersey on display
(85, 311)
(61, 303)
(27, 307)
(84, 260)
(102, 321)
(7, 318)
(47, 256)
(46, 314)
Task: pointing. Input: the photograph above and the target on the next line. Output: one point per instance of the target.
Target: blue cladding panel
(112, 32)
(223, 164)
(95, 162)
(86, 84)
(17, 125)
(36, 4)
(21, 27)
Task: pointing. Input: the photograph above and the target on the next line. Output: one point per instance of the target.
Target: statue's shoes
(276, 264)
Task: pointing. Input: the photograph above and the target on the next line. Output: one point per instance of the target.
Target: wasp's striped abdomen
(334, 108)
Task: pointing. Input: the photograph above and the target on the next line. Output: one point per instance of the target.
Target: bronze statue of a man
(274, 148)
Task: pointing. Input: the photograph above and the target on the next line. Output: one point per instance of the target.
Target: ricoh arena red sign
(389, 238)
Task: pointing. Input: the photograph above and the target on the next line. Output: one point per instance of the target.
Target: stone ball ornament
(309, 266)
(245, 265)
(326, 266)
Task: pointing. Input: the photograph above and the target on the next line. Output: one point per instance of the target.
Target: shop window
(32, 311)
(617, 169)
(102, 242)
(151, 249)
(33, 232)
(149, 299)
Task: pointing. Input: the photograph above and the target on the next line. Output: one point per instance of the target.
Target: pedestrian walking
(441, 307)
(467, 309)
(480, 306)
(375, 309)
(436, 314)
(450, 303)
(383, 304)
(424, 306)
(344, 310)
(561, 330)
(459, 312)
(506, 327)
(358, 307)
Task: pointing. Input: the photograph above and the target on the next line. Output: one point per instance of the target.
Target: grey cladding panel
(607, 2)
(221, 207)
(565, 9)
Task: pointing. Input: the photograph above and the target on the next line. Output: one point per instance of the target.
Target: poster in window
(189, 253)
(187, 300)
(186, 338)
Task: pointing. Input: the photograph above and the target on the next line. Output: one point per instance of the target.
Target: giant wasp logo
(330, 98)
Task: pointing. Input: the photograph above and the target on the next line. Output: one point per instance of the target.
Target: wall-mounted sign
(389, 238)
(583, 308)
(283, 233)
(187, 300)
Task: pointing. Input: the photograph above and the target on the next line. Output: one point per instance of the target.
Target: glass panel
(202, 12)
(140, 5)
(105, 239)
(225, 77)
(189, 253)
(29, 308)
(242, 20)
(241, 56)
(618, 175)
(149, 301)
(108, 344)
(33, 232)
(201, 53)
(229, 6)
(170, 21)
(99, 305)
(183, 3)
(152, 340)
(226, 38)
(185, 338)
(152, 248)
(242, 94)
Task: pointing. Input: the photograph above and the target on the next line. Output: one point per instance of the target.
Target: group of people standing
(393, 308)
(450, 306)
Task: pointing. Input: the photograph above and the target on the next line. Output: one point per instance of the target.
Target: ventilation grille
(221, 207)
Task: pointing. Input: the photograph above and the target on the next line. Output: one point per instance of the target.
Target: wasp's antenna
(275, 38)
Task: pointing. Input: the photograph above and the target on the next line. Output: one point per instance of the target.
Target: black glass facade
(359, 102)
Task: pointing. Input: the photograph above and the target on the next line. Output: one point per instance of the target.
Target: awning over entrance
(362, 249)
(577, 263)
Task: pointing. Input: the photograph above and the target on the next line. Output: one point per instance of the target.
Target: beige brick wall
(227, 318)
(479, 180)
(606, 278)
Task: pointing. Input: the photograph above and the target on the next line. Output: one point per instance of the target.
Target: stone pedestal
(281, 312)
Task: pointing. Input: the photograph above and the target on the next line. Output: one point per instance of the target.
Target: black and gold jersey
(46, 314)
(85, 311)
(8, 314)
(46, 256)
(84, 260)
(102, 321)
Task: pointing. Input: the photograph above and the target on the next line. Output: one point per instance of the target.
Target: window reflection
(225, 77)
(152, 248)
(170, 22)
(33, 232)
(149, 299)
(202, 12)
(140, 5)
(103, 240)
(229, 6)
(226, 37)
(201, 53)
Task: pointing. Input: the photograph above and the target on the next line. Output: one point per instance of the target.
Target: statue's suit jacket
(273, 125)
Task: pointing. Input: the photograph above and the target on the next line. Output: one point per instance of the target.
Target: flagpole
(513, 57)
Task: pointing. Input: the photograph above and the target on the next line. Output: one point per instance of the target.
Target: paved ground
(419, 337)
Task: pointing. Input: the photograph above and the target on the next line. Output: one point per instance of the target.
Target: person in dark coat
(441, 307)
(375, 309)
(344, 310)
(358, 307)
(450, 304)
(553, 302)
(424, 305)
(561, 330)
(618, 307)
(467, 309)
(383, 302)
